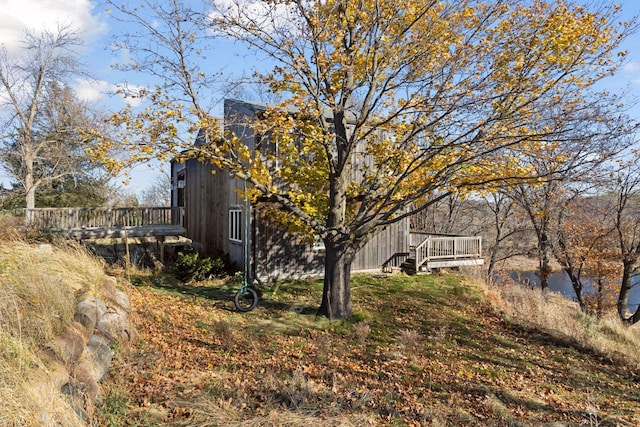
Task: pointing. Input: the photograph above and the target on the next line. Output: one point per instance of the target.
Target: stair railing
(445, 247)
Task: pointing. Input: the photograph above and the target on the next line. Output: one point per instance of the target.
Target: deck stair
(429, 252)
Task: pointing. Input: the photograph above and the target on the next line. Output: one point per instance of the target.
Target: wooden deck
(426, 251)
(99, 223)
(433, 251)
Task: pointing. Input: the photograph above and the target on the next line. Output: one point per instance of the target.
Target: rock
(100, 305)
(81, 356)
(75, 396)
(81, 330)
(89, 311)
(83, 388)
(122, 300)
(100, 354)
(59, 373)
(109, 288)
(115, 326)
(68, 346)
(84, 374)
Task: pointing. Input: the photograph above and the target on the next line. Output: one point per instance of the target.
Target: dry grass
(38, 283)
(410, 340)
(361, 331)
(28, 395)
(560, 317)
(9, 227)
(37, 287)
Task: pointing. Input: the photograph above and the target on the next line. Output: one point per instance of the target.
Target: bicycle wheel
(246, 299)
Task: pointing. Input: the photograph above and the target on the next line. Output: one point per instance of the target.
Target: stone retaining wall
(80, 357)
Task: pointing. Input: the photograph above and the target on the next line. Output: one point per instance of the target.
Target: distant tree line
(587, 224)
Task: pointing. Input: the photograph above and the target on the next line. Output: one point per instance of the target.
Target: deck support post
(160, 247)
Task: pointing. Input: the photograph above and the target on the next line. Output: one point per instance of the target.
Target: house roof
(251, 105)
(254, 107)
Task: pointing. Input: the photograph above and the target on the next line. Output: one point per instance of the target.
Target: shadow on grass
(280, 306)
(221, 292)
(224, 291)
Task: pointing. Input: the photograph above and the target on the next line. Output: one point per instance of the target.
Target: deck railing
(59, 219)
(428, 247)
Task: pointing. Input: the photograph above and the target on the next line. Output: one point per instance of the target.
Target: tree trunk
(491, 264)
(623, 297)
(544, 270)
(30, 196)
(577, 287)
(336, 294)
(30, 187)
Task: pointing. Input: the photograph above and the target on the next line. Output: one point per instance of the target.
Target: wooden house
(215, 214)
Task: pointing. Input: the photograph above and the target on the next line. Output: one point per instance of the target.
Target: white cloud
(270, 17)
(91, 90)
(632, 71)
(95, 91)
(132, 95)
(16, 16)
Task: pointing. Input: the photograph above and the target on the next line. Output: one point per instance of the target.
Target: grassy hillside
(428, 350)
(38, 285)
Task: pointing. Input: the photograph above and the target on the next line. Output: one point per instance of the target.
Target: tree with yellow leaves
(388, 106)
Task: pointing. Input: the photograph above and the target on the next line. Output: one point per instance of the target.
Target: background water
(559, 282)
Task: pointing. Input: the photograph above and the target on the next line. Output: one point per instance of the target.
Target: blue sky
(92, 22)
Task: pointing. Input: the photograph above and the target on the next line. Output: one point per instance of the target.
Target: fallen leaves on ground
(425, 359)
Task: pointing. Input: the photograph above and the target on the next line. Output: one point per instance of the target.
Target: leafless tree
(158, 193)
(592, 137)
(627, 227)
(41, 138)
(508, 234)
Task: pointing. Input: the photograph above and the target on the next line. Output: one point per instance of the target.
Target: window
(180, 189)
(235, 225)
(318, 245)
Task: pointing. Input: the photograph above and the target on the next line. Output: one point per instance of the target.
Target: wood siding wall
(389, 242)
(279, 254)
(275, 253)
(205, 209)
